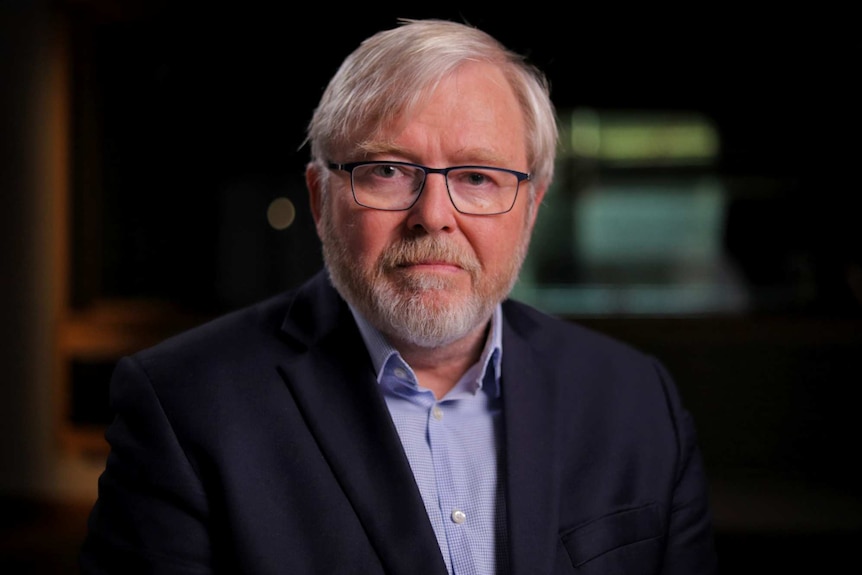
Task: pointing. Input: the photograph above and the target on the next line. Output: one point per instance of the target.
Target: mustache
(428, 248)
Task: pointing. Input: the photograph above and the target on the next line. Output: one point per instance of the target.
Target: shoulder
(566, 352)
(287, 320)
(240, 342)
(240, 329)
(578, 365)
(550, 332)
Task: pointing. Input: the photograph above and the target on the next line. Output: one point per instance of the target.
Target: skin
(472, 118)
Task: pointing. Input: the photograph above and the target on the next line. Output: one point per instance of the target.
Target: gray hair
(391, 72)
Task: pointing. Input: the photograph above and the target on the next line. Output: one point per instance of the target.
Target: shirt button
(458, 516)
(437, 412)
(400, 373)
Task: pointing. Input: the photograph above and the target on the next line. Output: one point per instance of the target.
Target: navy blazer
(260, 443)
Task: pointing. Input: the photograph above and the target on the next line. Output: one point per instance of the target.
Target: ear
(314, 183)
(537, 203)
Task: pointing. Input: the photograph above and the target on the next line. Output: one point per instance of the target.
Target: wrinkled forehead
(374, 120)
(477, 93)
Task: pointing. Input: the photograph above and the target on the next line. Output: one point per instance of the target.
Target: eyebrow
(474, 156)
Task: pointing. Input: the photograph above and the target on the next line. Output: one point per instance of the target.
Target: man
(396, 413)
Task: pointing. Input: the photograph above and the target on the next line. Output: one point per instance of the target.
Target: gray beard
(405, 307)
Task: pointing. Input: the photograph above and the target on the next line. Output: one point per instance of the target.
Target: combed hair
(390, 73)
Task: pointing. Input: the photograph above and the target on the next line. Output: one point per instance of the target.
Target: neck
(440, 368)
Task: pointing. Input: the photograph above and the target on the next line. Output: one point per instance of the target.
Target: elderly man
(398, 413)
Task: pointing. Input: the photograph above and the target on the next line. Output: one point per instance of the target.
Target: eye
(380, 172)
(388, 177)
(386, 170)
(477, 178)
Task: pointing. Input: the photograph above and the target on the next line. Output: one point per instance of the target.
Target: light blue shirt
(454, 447)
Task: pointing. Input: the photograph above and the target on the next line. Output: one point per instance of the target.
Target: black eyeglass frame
(350, 166)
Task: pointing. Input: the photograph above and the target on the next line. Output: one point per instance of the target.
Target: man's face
(430, 275)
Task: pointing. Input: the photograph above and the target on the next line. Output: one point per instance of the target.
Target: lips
(441, 263)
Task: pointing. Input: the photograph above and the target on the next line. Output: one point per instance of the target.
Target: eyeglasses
(396, 186)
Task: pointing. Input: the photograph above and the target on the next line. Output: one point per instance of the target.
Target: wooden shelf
(102, 334)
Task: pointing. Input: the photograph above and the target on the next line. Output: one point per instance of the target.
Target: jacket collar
(531, 464)
(334, 387)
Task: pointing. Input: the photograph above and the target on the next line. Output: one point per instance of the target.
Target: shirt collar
(381, 350)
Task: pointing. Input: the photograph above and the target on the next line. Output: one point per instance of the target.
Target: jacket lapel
(531, 464)
(334, 386)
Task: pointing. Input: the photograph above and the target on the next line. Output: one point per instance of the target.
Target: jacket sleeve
(151, 512)
(691, 548)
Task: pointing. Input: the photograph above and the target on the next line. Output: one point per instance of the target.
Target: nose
(433, 210)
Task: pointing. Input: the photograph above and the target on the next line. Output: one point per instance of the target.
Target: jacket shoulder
(290, 318)
(553, 332)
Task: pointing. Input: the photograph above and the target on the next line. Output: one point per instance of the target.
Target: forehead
(472, 112)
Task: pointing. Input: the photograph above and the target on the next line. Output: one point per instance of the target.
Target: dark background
(199, 109)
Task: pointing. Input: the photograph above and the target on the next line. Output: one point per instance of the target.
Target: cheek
(496, 245)
(367, 234)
